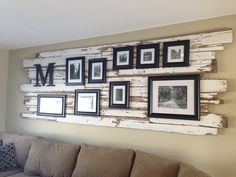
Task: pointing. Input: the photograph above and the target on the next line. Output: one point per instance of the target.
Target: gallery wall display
(176, 53)
(123, 57)
(97, 70)
(119, 94)
(56, 102)
(178, 114)
(87, 102)
(75, 70)
(148, 56)
(174, 97)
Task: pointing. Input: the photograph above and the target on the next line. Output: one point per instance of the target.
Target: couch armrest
(189, 171)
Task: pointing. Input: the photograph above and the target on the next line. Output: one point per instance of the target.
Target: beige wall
(213, 154)
(4, 55)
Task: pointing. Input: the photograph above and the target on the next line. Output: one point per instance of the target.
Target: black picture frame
(176, 53)
(50, 105)
(81, 75)
(102, 77)
(146, 50)
(125, 53)
(95, 104)
(123, 88)
(165, 100)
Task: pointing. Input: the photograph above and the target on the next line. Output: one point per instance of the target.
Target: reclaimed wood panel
(203, 50)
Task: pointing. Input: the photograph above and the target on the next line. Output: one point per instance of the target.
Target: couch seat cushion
(10, 172)
(50, 159)
(103, 162)
(22, 145)
(148, 165)
(189, 171)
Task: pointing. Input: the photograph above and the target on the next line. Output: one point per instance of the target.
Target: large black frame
(63, 97)
(104, 63)
(82, 73)
(166, 45)
(130, 49)
(126, 84)
(97, 92)
(195, 78)
(156, 48)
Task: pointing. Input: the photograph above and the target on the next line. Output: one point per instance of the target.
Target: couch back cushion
(103, 162)
(153, 166)
(187, 171)
(22, 146)
(51, 159)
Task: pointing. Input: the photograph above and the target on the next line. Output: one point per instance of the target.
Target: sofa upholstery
(38, 157)
(47, 158)
(153, 166)
(99, 162)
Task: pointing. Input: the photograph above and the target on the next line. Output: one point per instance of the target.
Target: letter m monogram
(49, 73)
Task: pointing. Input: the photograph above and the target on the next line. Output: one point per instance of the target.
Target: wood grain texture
(203, 50)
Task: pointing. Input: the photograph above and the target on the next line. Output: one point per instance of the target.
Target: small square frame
(127, 52)
(122, 86)
(142, 50)
(94, 93)
(181, 53)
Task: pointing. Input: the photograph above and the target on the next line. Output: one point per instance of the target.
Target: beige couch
(39, 157)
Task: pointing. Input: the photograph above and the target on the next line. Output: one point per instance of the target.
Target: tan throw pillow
(189, 171)
(50, 159)
(148, 165)
(103, 162)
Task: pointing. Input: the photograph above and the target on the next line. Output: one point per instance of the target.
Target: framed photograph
(51, 105)
(75, 69)
(148, 56)
(87, 102)
(174, 97)
(123, 57)
(176, 53)
(97, 70)
(119, 94)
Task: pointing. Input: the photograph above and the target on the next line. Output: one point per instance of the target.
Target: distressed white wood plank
(206, 86)
(210, 120)
(125, 123)
(207, 48)
(213, 85)
(202, 55)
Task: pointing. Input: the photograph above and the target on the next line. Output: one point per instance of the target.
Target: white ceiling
(26, 23)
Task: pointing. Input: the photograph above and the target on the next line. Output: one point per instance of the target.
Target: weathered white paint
(127, 123)
(203, 48)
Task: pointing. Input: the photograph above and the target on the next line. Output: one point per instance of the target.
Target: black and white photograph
(119, 94)
(51, 105)
(87, 102)
(175, 97)
(123, 57)
(148, 56)
(97, 70)
(75, 68)
(176, 53)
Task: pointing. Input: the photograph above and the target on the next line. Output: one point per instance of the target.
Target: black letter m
(39, 72)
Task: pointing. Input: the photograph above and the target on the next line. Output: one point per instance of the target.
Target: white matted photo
(119, 94)
(51, 105)
(87, 102)
(148, 56)
(174, 97)
(75, 71)
(123, 57)
(97, 70)
(176, 53)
